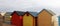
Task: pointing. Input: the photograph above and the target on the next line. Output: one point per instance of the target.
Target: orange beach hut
(45, 18)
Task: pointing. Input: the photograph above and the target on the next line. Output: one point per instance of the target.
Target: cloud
(30, 5)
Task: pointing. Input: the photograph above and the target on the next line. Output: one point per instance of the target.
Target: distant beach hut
(58, 20)
(1, 20)
(7, 17)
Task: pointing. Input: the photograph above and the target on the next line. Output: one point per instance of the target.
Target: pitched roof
(8, 13)
(49, 11)
(22, 13)
(0, 15)
(34, 14)
(19, 12)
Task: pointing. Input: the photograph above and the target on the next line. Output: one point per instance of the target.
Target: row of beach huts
(20, 18)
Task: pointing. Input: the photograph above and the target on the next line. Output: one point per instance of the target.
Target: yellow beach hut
(29, 19)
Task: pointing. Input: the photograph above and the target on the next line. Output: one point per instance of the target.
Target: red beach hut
(17, 18)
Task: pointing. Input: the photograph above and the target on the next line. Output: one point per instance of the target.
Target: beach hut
(45, 18)
(1, 20)
(59, 20)
(7, 17)
(29, 19)
(17, 18)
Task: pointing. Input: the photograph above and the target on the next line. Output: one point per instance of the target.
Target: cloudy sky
(30, 5)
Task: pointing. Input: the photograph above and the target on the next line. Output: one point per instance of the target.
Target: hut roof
(22, 13)
(18, 12)
(32, 13)
(0, 15)
(49, 11)
(8, 13)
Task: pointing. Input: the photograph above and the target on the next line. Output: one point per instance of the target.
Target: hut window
(27, 14)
